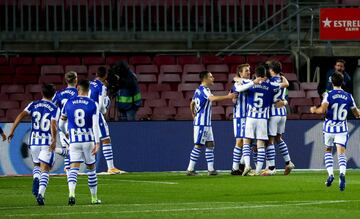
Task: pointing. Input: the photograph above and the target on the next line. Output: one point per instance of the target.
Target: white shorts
(203, 134)
(330, 139)
(42, 154)
(239, 127)
(81, 152)
(277, 125)
(256, 129)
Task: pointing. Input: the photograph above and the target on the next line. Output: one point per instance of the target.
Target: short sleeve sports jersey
(62, 96)
(202, 106)
(239, 110)
(42, 112)
(280, 95)
(340, 102)
(80, 112)
(260, 98)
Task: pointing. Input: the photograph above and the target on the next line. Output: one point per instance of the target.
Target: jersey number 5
(258, 101)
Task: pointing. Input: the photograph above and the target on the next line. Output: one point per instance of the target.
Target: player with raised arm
(276, 124)
(335, 105)
(60, 98)
(98, 93)
(260, 98)
(82, 115)
(242, 83)
(44, 116)
(200, 107)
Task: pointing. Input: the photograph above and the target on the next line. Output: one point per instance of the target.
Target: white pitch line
(143, 181)
(181, 209)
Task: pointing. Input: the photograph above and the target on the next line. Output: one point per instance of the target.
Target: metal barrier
(215, 16)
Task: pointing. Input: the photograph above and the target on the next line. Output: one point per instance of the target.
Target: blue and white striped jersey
(202, 106)
(340, 102)
(42, 112)
(239, 110)
(280, 95)
(82, 114)
(62, 96)
(260, 98)
(98, 93)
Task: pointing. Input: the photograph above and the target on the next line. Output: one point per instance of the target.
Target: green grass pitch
(174, 195)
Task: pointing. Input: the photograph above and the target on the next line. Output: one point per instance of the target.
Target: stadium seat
(293, 117)
(55, 79)
(26, 79)
(303, 109)
(296, 94)
(93, 68)
(3, 60)
(143, 113)
(228, 86)
(256, 59)
(164, 60)
(6, 79)
(220, 77)
(147, 78)
(231, 77)
(159, 87)
(179, 102)
(110, 60)
(188, 87)
(317, 101)
(69, 60)
(229, 112)
(291, 76)
(146, 69)
(184, 60)
(12, 114)
(190, 78)
(12, 89)
(151, 95)
(143, 88)
(2, 114)
(140, 60)
(52, 69)
(170, 69)
(312, 93)
(300, 102)
(155, 103)
(19, 97)
(9, 105)
(93, 60)
(80, 69)
(183, 113)
(25, 103)
(163, 113)
(45, 60)
(193, 68)
(226, 103)
(234, 60)
(33, 88)
(172, 95)
(27, 69)
(21, 60)
(218, 68)
(217, 86)
(7, 70)
(309, 86)
(3, 96)
(207, 60)
(169, 78)
(189, 95)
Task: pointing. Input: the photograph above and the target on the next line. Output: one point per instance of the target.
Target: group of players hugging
(259, 117)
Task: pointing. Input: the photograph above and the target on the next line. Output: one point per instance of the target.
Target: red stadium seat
(184, 60)
(193, 68)
(93, 68)
(25, 103)
(33, 88)
(218, 68)
(28, 69)
(7, 70)
(217, 86)
(310, 116)
(21, 60)
(147, 78)
(190, 78)
(179, 103)
(171, 95)
(296, 94)
(317, 101)
(291, 76)
(3, 97)
(309, 86)
(12, 89)
(9, 105)
(3, 60)
(20, 97)
(169, 78)
(220, 77)
(234, 60)
(170, 69)
(303, 109)
(301, 102)
(293, 116)
(140, 60)
(164, 60)
(228, 86)
(159, 87)
(12, 114)
(163, 113)
(143, 88)
(26, 79)
(229, 112)
(312, 94)
(188, 87)
(155, 103)
(93, 60)
(256, 59)
(80, 69)
(45, 60)
(2, 113)
(146, 69)
(151, 95)
(143, 113)
(55, 79)
(110, 60)
(69, 60)
(52, 69)
(207, 60)
(231, 77)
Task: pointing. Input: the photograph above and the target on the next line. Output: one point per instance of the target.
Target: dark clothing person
(347, 84)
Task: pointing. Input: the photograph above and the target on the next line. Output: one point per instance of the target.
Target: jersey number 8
(79, 115)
